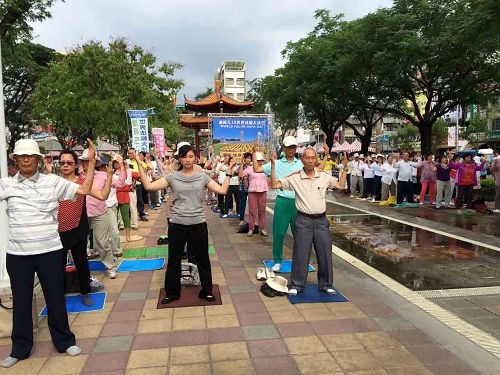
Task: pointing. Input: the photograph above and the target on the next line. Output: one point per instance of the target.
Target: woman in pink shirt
(257, 194)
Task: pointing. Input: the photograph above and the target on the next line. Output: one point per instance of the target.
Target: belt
(312, 216)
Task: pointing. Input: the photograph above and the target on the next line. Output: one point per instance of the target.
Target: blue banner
(140, 133)
(240, 130)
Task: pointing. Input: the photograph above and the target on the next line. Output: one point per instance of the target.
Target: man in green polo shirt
(284, 209)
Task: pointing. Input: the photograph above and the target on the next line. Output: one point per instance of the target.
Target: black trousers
(367, 187)
(21, 271)
(220, 202)
(405, 189)
(377, 188)
(139, 191)
(196, 237)
(79, 254)
(233, 191)
(464, 191)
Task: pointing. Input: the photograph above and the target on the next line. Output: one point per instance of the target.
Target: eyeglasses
(68, 162)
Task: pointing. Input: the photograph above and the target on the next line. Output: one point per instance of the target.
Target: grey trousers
(386, 189)
(102, 238)
(311, 231)
(355, 180)
(443, 193)
(114, 231)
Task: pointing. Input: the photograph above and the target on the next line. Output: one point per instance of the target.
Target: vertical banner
(452, 136)
(140, 135)
(159, 139)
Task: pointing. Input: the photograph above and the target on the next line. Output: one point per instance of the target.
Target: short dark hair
(183, 151)
(247, 155)
(143, 153)
(69, 152)
(131, 148)
(11, 163)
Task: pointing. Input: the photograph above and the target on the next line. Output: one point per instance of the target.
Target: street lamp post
(4, 230)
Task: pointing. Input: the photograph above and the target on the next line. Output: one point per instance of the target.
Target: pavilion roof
(213, 101)
(200, 122)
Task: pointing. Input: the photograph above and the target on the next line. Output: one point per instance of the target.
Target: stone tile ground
(248, 334)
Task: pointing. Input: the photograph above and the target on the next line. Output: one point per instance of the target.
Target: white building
(232, 77)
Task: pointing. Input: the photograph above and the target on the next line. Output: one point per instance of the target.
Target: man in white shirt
(405, 173)
(356, 175)
(34, 246)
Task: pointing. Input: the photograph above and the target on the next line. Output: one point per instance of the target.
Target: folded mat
(74, 304)
(189, 297)
(128, 265)
(286, 266)
(311, 294)
(154, 251)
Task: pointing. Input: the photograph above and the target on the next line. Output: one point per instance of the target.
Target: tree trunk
(366, 139)
(425, 131)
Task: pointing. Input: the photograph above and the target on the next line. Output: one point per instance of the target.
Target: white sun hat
(179, 147)
(259, 156)
(356, 155)
(290, 140)
(278, 283)
(25, 147)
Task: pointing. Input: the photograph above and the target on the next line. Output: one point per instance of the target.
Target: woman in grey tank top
(187, 224)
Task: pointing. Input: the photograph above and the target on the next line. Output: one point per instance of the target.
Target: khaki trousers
(115, 232)
(134, 214)
(102, 238)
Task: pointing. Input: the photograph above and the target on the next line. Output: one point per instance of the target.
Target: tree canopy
(87, 93)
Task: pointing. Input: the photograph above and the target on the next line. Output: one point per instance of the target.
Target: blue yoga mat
(286, 266)
(129, 265)
(311, 294)
(74, 304)
(96, 265)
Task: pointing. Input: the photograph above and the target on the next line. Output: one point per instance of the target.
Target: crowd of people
(82, 205)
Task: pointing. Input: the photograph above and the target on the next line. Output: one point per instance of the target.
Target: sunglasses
(64, 162)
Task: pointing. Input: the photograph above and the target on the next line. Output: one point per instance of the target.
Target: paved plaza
(248, 334)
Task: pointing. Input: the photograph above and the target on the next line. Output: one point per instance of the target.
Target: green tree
(204, 94)
(87, 93)
(435, 54)
(406, 137)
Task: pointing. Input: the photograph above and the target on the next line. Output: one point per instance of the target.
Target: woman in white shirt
(368, 178)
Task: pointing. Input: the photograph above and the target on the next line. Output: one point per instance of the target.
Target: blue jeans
(243, 204)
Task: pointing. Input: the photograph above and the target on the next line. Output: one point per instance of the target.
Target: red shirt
(70, 212)
(468, 177)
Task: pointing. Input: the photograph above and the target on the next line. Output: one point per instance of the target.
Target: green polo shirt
(283, 169)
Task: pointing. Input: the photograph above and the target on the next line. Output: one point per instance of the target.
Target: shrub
(487, 191)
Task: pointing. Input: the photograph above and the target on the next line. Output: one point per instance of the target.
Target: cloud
(199, 34)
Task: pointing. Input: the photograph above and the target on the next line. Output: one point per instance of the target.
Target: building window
(241, 96)
(240, 81)
(495, 124)
(230, 95)
(229, 81)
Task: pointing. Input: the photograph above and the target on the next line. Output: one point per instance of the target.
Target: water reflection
(418, 258)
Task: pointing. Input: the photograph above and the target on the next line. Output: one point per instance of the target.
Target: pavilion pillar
(197, 141)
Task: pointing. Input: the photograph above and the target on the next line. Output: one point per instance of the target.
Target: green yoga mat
(154, 251)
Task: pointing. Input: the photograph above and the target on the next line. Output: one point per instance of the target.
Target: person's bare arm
(275, 184)
(340, 185)
(256, 167)
(326, 150)
(86, 187)
(103, 194)
(222, 189)
(160, 184)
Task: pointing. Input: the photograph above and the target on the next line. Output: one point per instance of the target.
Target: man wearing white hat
(34, 246)
(285, 211)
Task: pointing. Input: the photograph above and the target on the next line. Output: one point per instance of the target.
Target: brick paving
(248, 334)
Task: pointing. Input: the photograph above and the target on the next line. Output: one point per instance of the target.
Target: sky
(200, 34)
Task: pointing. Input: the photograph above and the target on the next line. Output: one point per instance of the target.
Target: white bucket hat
(356, 155)
(290, 140)
(84, 155)
(179, 147)
(259, 156)
(25, 147)
(278, 283)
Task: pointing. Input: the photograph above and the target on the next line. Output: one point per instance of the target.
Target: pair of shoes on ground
(262, 232)
(206, 297)
(72, 351)
(330, 291)
(143, 218)
(111, 273)
(266, 290)
(264, 273)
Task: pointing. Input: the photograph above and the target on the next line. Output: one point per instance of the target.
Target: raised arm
(326, 151)
(160, 184)
(103, 194)
(340, 185)
(86, 187)
(275, 184)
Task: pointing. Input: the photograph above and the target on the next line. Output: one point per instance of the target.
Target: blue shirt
(283, 168)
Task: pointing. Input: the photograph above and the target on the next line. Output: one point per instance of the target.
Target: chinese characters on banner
(159, 140)
(242, 130)
(140, 135)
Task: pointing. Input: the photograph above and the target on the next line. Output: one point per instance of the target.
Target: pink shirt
(95, 207)
(257, 182)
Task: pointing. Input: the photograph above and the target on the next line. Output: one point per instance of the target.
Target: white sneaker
(330, 291)
(261, 274)
(352, 196)
(276, 267)
(496, 210)
(9, 362)
(73, 351)
(111, 274)
(250, 233)
(264, 233)
(292, 292)
(224, 216)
